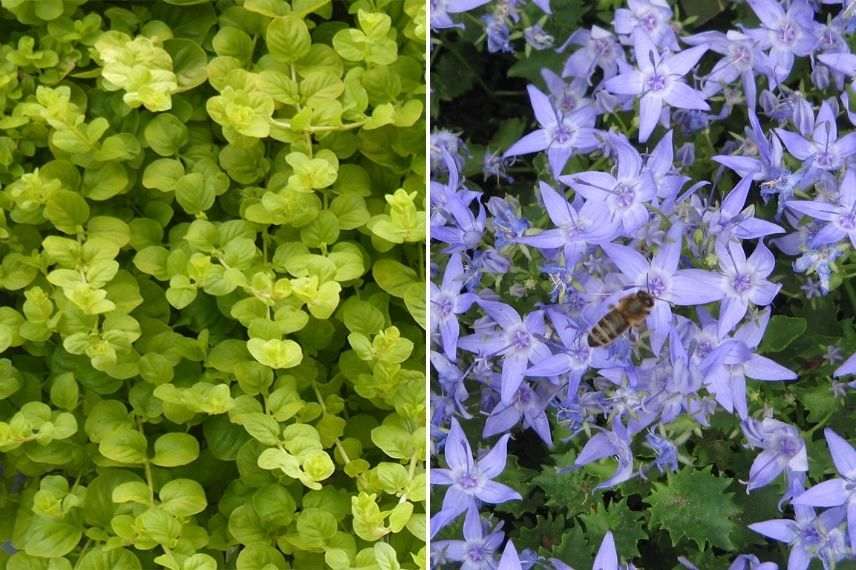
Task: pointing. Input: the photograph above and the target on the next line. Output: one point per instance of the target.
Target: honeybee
(630, 311)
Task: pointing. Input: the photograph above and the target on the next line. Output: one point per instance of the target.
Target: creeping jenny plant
(211, 251)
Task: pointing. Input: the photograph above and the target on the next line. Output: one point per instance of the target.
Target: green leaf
(781, 332)
(183, 497)
(694, 504)
(165, 134)
(48, 538)
(275, 353)
(288, 38)
(175, 449)
(67, 210)
(124, 446)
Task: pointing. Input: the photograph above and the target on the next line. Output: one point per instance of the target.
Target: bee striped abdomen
(607, 329)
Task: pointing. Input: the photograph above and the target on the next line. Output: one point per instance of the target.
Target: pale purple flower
(785, 34)
(575, 228)
(477, 551)
(727, 366)
(825, 150)
(561, 135)
(664, 281)
(658, 80)
(447, 302)
(783, 449)
(598, 48)
(528, 405)
(840, 219)
(442, 11)
(741, 59)
(840, 490)
(744, 281)
(809, 536)
(615, 443)
(651, 17)
(751, 562)
(517, 342)
(625, 194)
(469, 480)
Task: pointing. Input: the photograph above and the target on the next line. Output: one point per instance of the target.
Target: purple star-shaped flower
(784, 33)
(809, 536)
(825, 150)
(467, 479)
(477, 551)
(529, 406)
(624, 194)
(661, 278)
(744, 281)
(783, 448)
(741, 59)
(840, 490)
(840, 218)
(518, 343)
(726, 367)
(448, 302)
(658, 80)
(598, 48)
(560, 134)
(575, 228)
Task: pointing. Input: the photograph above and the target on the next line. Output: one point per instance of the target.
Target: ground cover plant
(212, 321)
(700, 157)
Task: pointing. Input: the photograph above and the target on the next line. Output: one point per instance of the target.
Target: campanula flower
(751, 562)
(477, 551)
(517, 342)
(825, 150)
(561, 135)
(809, 536)
(784, 33)
(783, 449)
(727, 366)
(662, 279)
(467, 479)
(658, 81)
(743, 281)
(609, 443)
(741, 59)
(447, 302)
(651, 17)
(598, 49)
(575, 228)
(528, 405)
(840, 218)
(840, 490)
(624, 194)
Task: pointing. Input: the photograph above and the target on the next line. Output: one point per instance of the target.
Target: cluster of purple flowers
(637, 221)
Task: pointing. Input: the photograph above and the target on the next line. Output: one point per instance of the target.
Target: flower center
(472, 238)
(477, 553)
(649, 22)
(789, 446)
(656, 82)
(810, 536)
(602, 47)
(656, 286)
(848, 221)
(562, 134)
(468, 481)
(825, 159)
(625, 196)
(741, 55)
(520, 340)
(567, 103)
(444, 307)
(787, 34)
(742, 282)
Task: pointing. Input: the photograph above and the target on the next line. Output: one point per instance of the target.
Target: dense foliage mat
(212, 232)
(644, 282)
